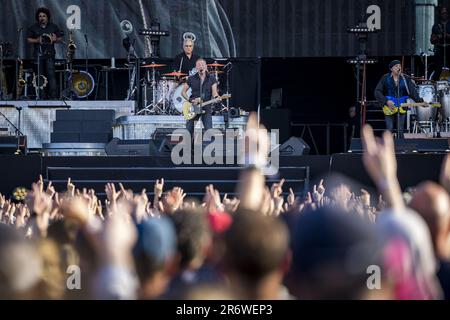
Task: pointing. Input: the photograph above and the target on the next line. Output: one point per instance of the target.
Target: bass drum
(177, 100)
(82, 84)
(428, 93)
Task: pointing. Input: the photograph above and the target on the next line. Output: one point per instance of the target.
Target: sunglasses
(188, 46)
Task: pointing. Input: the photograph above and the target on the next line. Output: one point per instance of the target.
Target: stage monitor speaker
(294, 146)
(409, 145)
(160, 147)
(156, 147)
(119, 147)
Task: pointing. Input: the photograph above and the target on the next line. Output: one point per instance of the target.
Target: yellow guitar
(403, 104)
(190, 111)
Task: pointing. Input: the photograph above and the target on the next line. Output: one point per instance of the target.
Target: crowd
(331, 244)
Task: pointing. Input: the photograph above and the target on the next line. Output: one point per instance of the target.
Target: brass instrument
(71, 46)
(20, 80)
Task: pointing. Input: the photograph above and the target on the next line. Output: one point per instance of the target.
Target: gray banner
(223, 28)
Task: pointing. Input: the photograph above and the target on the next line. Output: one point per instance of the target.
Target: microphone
(86, 37)
(19, 29)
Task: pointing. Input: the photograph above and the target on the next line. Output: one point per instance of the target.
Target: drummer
(185, 61)
(393, 86)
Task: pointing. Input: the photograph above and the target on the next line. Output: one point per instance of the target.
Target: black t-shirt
(444, 277)
(187, 65)
(35, 31)
(206, 91)
(438, 29)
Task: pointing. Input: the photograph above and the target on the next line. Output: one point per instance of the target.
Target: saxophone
(20, 81)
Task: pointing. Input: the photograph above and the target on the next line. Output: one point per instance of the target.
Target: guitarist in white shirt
(204, 88)
(390, 89)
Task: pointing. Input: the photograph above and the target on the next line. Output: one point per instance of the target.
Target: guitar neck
(204, 104)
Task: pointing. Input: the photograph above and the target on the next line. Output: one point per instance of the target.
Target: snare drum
(428, 93)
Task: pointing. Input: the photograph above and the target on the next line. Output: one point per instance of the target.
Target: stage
(138, 172)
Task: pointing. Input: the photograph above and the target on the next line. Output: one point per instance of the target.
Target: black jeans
(392, 120)
(47, 69)
(206, 119)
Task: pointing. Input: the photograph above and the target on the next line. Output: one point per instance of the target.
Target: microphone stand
(445, 44)
(228, 84)
(2, 74)
(17, 64)
(38, 80)
(86, 51)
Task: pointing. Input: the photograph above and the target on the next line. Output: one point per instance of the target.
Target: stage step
(192, 179)
(140, 173)
(189, 187)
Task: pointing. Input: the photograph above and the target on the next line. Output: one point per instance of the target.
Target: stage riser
(144, 127)
(37, 117)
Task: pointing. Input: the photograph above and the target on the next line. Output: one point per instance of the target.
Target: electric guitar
(402, 104)
(190, 111)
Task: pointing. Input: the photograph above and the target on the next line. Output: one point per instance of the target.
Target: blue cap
(156, 239)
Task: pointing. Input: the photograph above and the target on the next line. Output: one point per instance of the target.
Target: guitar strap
(406, 85)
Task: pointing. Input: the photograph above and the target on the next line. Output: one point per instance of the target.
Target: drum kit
(430, 120)
(165, 90)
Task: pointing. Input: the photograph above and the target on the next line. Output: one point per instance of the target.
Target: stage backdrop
(222, 28)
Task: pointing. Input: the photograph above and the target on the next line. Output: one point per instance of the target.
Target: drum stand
(157, 106)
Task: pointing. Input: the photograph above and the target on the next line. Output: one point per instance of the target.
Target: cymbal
(215, 65)
(175, 74)
(153, 65)
(217, 71)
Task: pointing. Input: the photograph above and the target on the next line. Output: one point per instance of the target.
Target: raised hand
(172, 200)
(70, 188)
(230, 205)
(38, 201)
(379, 156)
(365, 197)
(127, 194)
(318, 192)
(277, 189)
(381, 164)
(158, 190)
(290, 198)
(40, 183)
(50, 190)
(212, 199)
(118, 237)
(111, 193)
